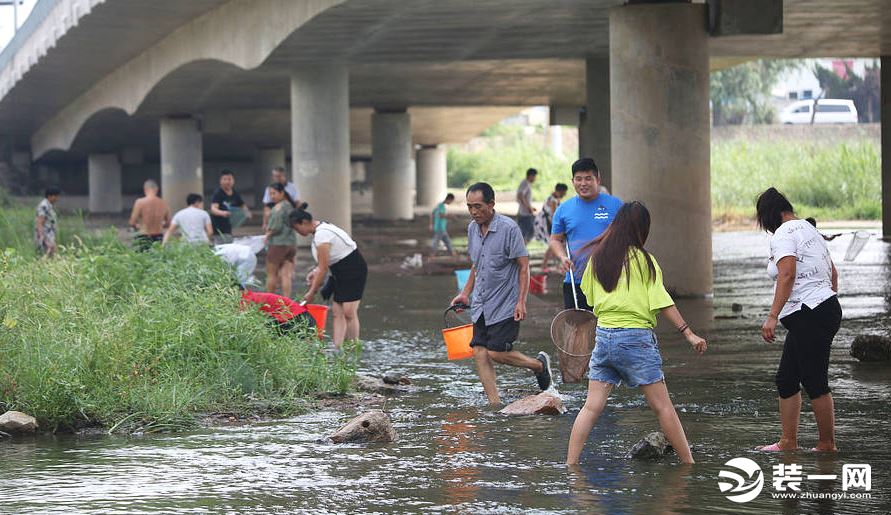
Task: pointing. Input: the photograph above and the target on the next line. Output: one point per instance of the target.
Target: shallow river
(454, 454)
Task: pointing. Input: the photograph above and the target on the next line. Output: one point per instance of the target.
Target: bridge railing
(39, 13)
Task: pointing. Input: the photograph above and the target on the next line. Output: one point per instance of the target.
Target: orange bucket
(457, 340)
(319, 313)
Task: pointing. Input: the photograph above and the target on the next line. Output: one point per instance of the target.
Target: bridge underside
(264, 79)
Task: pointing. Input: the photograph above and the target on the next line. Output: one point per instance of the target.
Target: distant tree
(864, 91)
(741, 94)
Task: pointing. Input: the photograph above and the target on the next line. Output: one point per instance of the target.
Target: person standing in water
(525, 211)
(439, 224)
(496, 292)
(623, 282)
(335, 251)
(281, 242)
(805, 301)
(545, 219)
(578, 221)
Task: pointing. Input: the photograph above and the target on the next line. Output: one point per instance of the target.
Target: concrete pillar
(320, 141)
(594, 122)
(659, 86)
(391, 159)
(432, 175)
(181, 160)
(104, 183)
(267, 159)
(358, 171)
(555, 139)
(885, 81)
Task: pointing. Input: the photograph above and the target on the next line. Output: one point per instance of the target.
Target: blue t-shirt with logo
(582, 221)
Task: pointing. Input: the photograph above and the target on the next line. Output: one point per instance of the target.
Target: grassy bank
(828, 173)
(104, 336)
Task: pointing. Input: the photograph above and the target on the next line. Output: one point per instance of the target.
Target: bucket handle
(453, 307)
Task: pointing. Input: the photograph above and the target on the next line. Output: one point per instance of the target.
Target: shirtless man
(150, 216)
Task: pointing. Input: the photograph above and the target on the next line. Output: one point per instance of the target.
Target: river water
(456, 455)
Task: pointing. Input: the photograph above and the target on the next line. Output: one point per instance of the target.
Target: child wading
(623, 283)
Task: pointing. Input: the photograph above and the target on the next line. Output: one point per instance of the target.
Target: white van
(829, 110)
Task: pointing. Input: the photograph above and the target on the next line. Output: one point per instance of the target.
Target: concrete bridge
(114, 91)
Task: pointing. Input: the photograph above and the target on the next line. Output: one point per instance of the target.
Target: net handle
(575, 297)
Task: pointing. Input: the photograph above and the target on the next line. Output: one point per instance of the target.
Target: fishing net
(572, 332)
(857, 243)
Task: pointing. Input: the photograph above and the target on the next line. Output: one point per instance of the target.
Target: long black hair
(277, 186)
(610, 252)
(770, 207)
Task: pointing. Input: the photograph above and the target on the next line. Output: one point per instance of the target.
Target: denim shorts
(629, 356)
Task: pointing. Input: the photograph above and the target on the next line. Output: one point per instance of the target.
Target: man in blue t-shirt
(578, 221)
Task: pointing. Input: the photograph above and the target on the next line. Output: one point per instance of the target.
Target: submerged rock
(16, 422)
(871, 347)
(652, 446)
(371, 426)
(545, 403)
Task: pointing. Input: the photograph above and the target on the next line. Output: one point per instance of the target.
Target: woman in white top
(334, 251)
(805, 301)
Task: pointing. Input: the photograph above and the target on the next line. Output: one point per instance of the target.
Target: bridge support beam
(594, 122)
(104, 183)
(659, 88)
(182, 155)
(432, 175)
(267, 159)
(885, 81)
(392, 168)
(320, 141)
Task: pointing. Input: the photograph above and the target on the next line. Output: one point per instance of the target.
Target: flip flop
(814, 449)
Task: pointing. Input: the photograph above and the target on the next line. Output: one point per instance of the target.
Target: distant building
(801, 83)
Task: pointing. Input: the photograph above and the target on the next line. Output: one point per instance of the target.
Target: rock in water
(371, 426)
(652, 446)
(396, 379)
(16, 422)
(545, 403)
(871, 347)
(373, 384)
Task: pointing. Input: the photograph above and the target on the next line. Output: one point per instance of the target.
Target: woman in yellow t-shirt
(623, 283)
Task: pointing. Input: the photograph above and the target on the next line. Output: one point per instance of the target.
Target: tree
(741, 94)
(864, 91)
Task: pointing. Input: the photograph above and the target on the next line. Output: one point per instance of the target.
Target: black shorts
(143, 242)
(805, 359)
(349, 275)
(499, 337)
(569, 303)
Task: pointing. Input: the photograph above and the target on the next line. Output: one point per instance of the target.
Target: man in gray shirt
(525, 211)
(496, 291)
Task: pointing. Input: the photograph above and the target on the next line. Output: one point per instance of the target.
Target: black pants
(805, 358)
(569, 303)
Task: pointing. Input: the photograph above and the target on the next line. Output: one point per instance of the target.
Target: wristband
(771, 315)
(683, 328)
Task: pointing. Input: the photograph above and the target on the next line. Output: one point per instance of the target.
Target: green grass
(104, 336)
(504, 162)
(830, 180)
(840, 181)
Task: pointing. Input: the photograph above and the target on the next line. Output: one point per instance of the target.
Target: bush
(146, 341)
(837, 181)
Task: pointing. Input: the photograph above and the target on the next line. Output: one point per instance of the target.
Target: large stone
(371, 426)
(545, 403)
(871, 347)
(373, 384)
(16, 422)
(653, 446)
